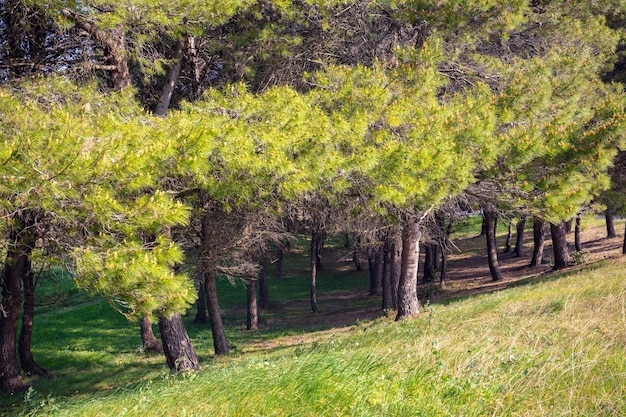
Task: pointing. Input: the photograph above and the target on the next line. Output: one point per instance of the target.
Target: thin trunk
(264, 294)
(443, 274)
(29, 366)
(559, 245)
(483, 228)
(519, 239)
(376, 265)
(429, 262)
(568, 225)
(356, 253)
(509, 235)
(15, 267)
(192, 52)
(201, 313)
(315, 247)
(492, 246)
(396, 268)
(610, 224)
(387, 301)
(172, 79)
(252, 319)
(149, 340)
(217, 326)
(577, 242)
(408, 304)
(179, 351)
(624, 245)
(539, 239)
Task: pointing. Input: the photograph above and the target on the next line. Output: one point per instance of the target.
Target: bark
(429, 263)
(356, 252)
(396, 268)
(387, 301)
(149, 340)
(252, 319)
(172, 79)
(217, 326)
(492, 247)
(15, 267)
(624, 245)
(568, 226)
(201, 313)
(264, 297)
(408, 304)
(577, 242)
(29, 366)
(610, 224)
(559, 245)
(316, 242)
(507, 243)
(519, 238)
(539, 238)
(376, 266)
(113, 43)
(179, 351)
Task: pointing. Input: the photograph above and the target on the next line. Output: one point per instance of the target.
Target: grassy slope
(552, 348)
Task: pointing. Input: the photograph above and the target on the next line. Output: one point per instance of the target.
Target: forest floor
(468, 275)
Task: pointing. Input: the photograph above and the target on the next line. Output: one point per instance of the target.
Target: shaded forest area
(138, 139)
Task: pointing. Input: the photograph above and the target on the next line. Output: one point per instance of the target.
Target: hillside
(552, 345)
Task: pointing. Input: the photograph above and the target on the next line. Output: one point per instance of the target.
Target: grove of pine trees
(138, 136)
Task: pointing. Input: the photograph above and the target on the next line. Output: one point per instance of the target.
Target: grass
(555, 346)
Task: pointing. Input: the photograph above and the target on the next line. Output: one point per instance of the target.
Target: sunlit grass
(556, 347)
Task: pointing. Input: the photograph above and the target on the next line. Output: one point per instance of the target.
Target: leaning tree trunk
(539, 239)
(610, 223)
(408, 304)
(217, 326)
(149, 340)
(15, 267)
(252, 317)
(29, 366)
(519, 238)
(492, 247)
(577, 239)
(559, 245)
(507, 243)
(178, 349)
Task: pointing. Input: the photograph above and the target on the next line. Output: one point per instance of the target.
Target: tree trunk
(172, 79)
(15, 267)
(577, 242)
(252, 318)
(408, 304)
(568, 226)
(217, 327)
(396, 267)
(387, 301)
(429, 262)
(356, 253)
(178, 349)
(264, 294)
(316, 239)
(149, 340)
(278, 270)
(624, 245)
(201, 313)
(507, 243)
(492, 246)
(519, 238)
(610, 223)
(376, 266)
(559, 245)
(29, 366)
(539, 238)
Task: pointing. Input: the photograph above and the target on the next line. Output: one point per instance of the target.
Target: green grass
(550, 347)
